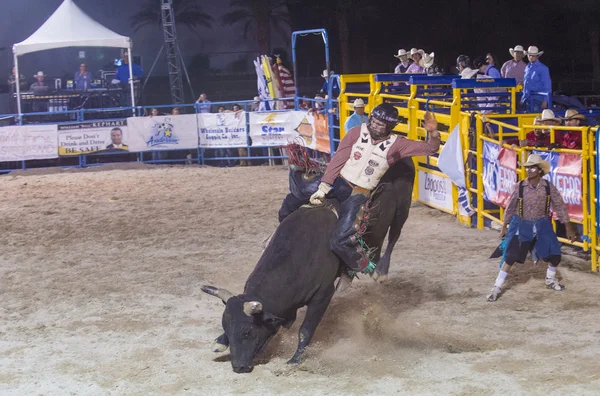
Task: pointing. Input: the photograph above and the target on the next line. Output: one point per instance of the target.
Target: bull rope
(300, 160)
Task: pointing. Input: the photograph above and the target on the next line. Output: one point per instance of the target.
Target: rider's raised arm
(341, 156)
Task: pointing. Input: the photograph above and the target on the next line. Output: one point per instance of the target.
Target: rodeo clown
(363, 157)
(527, 225)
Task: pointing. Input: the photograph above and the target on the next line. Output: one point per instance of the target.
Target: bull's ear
(252, 308)
(215, 291)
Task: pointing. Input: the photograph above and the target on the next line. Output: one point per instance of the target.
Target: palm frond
(236, 16)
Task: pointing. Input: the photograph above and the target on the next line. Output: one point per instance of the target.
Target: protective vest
(368, 162)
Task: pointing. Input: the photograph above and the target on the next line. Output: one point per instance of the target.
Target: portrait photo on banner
(92, 137)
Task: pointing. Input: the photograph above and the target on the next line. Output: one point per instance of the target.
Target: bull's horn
(215, 291)
(218, 347)
(252, 308)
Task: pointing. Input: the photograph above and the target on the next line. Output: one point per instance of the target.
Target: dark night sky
(448, 28)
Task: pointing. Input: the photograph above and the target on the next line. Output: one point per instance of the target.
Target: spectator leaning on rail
(463, 62)
(429, 66)
(527, 225)
(486, 69)
(536, 79)
(335, 88)
(571, 139)
(417, 66)
(204, 105)
(540, 137)
(515, 68)
(405, 62)
(363, 157)
(359, 117)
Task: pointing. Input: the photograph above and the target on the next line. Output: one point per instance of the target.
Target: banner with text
(27, 142)
(222, 130)
(499, 173)
(565, 174)
(281, 128)
(92, 137)
(436, 191)
(163, 132)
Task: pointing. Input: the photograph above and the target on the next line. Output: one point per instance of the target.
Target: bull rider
(365, 154)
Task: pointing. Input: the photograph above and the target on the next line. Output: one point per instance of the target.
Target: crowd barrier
(484, 113)
(200, 137)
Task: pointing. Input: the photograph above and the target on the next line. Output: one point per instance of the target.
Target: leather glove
(318, 198)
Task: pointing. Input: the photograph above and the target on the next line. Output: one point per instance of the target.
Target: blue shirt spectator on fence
(123, 71)
(203, 104)
(358, 118)
(335, 87)
(537, 79)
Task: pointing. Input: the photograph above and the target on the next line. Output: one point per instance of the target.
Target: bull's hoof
(218, 348)
(379, 278)
(294, 360)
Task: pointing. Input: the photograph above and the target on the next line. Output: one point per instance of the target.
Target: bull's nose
(242, 369)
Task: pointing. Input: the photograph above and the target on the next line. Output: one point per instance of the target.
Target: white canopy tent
(69, 26)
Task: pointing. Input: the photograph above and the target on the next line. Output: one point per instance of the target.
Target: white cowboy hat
(536, 160)
(401, 53)
(518, 48)
(324, 74)
(468, 73)
(416, 51)
(548, 115)
(533, 51)
(573, 114)
(39, 74)
(428, 60)
(358, 103)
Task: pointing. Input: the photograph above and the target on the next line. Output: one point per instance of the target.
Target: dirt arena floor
(100, 274)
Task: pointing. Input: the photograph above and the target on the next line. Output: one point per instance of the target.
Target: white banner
(91, 137)
(28, 142)
(222, 130)
(272, 129)
(281, 128)
(163, 132)
(436, 191)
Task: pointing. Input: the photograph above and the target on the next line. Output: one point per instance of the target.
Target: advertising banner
(163, 132)
(27, 142)
(92, 137)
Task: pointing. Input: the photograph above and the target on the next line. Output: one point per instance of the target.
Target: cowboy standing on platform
(528, 215)
(536, 79)
(363, 157)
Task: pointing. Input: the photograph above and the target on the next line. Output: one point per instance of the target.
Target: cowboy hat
(401, 53)
(573, 114)
(468, 73)
(358, 103)
(548, 115)
(533, 51)
(536, 160)
(428, 60)
(416, 51)
(325, 74)
(39, 74)
(518, 48)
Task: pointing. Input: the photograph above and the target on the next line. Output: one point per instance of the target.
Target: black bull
(298, 269)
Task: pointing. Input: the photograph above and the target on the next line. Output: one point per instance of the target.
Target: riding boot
(347, 240)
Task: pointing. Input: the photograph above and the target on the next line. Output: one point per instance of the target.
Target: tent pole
(131, 78)
(18, 86)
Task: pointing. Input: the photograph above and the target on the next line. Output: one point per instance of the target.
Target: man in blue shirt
(335, 88)
(123, 71)
(537, 79)
(358, 118)
(83, 78)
